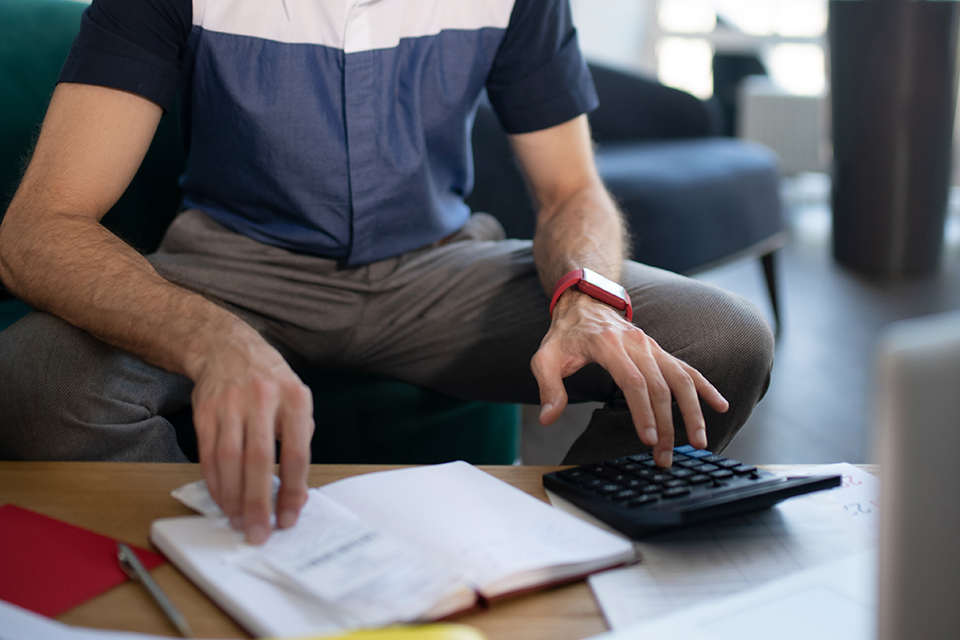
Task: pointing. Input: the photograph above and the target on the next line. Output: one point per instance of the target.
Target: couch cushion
(691, 203)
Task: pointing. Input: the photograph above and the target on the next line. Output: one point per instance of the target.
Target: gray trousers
(463, 317)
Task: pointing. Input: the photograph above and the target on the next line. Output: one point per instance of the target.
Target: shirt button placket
(358, 87)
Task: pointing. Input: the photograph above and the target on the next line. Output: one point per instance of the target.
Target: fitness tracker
(596, 286)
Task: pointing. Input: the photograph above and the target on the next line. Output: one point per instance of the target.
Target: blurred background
(766, 65)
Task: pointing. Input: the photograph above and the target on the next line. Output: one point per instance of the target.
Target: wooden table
(122, 499)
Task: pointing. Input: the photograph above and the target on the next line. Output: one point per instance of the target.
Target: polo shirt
(339, 128)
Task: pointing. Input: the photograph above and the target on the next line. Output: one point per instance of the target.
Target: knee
(38, 385)
(748, 346)
(59, 388)
(736, 355)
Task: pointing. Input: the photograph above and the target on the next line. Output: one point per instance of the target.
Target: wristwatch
(596, 286)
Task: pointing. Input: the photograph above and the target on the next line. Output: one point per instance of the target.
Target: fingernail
(651, 436)
(287, 519)
(236, 522)
(257, 534)
(666, 458)
(545, 409)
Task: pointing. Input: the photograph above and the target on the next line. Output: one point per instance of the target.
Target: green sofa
(361, 418)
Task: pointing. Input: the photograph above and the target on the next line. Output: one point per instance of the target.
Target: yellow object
(426, 632)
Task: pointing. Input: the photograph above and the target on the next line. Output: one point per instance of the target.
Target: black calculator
(636, 497)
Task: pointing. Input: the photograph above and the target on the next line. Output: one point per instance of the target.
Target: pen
(132, 567)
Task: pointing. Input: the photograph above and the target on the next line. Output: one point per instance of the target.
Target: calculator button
(631, 467)
(592, 483)
(574, 475)
(706, 468)
(677, 457)
(675, 483)
(649, 463)
(659, 477)
(689, 462)
(620, 477)
(617, 462)
(651, 488)
(714, 459)
(699, 478)
(721, 474)
(626, 494)
(698, 453)
(729, 463)
(642, 500)
(684, 448)
(681, 473)
(676, 492)
(744, 468)
(608, 488)
(640, 457)
(636, 483)
(593, 468)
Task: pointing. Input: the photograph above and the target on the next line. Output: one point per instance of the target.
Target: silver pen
(133, 568)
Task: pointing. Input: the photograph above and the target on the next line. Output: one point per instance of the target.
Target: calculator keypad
(636, 481)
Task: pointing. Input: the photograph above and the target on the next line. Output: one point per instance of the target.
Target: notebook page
(458, 511)
(333, 556)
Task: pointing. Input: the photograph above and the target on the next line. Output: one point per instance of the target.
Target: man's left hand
(584, 331)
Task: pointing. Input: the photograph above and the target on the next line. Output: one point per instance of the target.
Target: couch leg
(770, 274)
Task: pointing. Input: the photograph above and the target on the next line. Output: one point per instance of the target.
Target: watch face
(606, 285)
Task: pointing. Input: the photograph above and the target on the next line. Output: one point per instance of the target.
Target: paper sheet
(696, 565)
(841, 592)
(20, 624)
(333, 556)
(196, 496)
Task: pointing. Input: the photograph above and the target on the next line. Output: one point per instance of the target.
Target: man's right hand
(245, 398)
(57, 257)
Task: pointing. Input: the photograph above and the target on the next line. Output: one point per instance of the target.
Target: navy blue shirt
(339, 128)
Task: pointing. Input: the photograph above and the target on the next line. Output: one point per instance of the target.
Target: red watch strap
(602, 291)
(565, 283)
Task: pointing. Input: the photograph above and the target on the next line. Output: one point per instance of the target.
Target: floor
(820, 404)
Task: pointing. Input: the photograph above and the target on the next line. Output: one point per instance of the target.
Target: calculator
(638, 498)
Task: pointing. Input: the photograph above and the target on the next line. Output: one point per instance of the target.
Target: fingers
(296, 429)
(237, 428)
(638, 375)
(258, 456)
(547, 368)
(679, 377)
(227, 459)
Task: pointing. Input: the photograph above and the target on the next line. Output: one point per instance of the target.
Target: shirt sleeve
(539, 77)
(133, 45)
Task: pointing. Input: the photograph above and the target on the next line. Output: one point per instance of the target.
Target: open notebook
(411, 544)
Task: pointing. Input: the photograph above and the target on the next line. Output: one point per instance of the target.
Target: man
(328, 152)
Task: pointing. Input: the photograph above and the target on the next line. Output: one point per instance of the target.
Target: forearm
(72, 267)
(583, 230)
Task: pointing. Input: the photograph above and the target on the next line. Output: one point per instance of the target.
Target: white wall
(616, 32)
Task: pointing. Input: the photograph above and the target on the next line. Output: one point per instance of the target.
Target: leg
(468, 317)
(69, 396)
(768, 260)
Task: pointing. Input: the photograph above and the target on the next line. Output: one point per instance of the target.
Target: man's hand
(55, 255)
(245, 398)
(584, 331)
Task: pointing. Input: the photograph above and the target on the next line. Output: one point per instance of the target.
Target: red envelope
(49, 566)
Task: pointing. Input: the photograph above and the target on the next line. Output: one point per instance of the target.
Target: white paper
(835, 600)
(691, 566)
(333, 556)
(17, 623)
(196, 496)
(499, 531)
